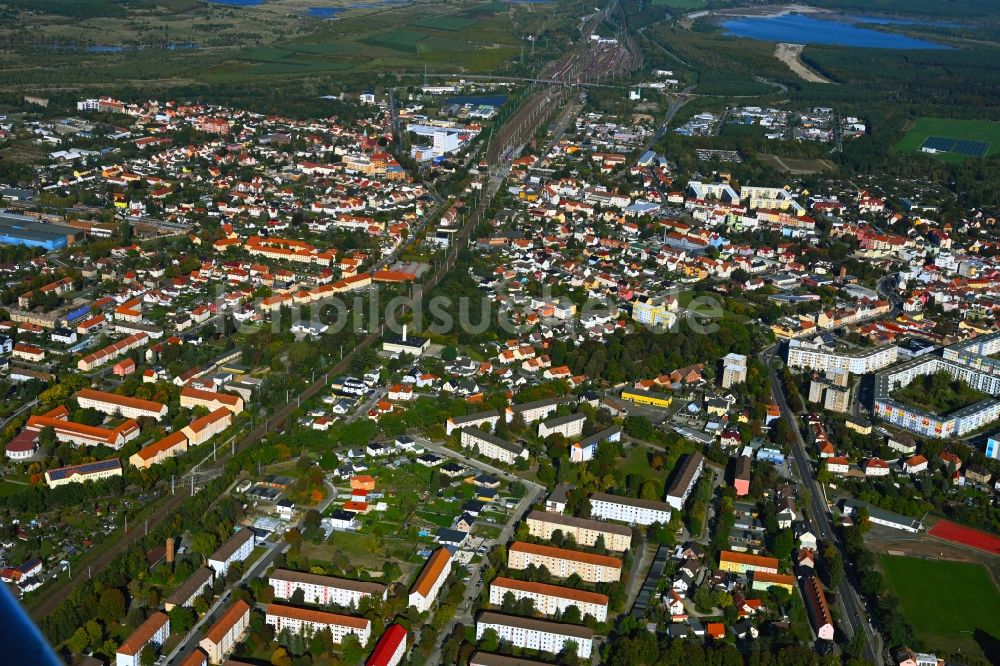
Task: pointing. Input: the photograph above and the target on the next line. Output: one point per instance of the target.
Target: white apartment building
(550, 599)
(533, 411)
(154, 631)
(225, 634)
(491, 446)
(308, 621)
(570, 425)
(482, 420)
(430, 580)
(323, 590)
(684, 479)
(585, 449)
(534, 634)
(734, 370)
(803, 354)
(543, 524)
(629, 510)
(563, 563)
(236, 549)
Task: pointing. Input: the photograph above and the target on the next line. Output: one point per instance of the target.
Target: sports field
(946, 602)
(955, 140)
(949, 531)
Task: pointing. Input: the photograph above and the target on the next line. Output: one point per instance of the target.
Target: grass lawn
(9, 488)
(938, 393)
(970, 130)
(355, 547)
(964, 599)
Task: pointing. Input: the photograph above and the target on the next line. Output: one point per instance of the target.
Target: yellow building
(651, 398)
(744, 562)
(763, 580)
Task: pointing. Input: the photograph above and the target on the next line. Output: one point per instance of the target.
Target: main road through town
(854, 618)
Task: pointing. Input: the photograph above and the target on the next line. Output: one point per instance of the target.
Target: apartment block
(307, 621)
(531, 634)
(628, 509)
(120, 405)
(390, 649)
(586, 532)
(236, 549)
(430, 580)
(568, 426)
(491, 446)
(154, 631)
(323, 590)
(563, 562)
(803, 354)
(685, 477)
(227, 632)
(550, 599)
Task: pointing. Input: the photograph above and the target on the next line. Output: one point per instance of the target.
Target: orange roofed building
(362, 482)
(308, 621)
(154, 631)
(430, 580)
(743, 562)
(172, 445)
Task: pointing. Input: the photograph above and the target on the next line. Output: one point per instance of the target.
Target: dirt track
(789, 54)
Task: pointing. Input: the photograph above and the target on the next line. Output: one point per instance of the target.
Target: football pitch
(946, 602)
(952, 139)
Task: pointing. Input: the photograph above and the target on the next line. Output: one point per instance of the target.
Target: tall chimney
(404, 332)
(170, 550)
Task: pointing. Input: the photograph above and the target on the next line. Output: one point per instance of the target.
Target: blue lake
(324, 12)
(802, 29)
(882, 20)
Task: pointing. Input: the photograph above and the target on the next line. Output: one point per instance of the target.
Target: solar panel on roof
(86, 468)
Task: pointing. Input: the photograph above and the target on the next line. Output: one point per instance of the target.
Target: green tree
(181, 619)
(79, 641)
(148, 655)
(490, 641)
(638, 427)
(280, 657)
(111, 607)
(572, 614)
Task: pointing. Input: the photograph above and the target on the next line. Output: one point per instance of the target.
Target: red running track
(949, 531)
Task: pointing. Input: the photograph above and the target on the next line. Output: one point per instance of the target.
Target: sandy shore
(776, 10)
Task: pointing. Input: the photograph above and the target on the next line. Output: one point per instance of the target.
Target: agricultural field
(956, 140)
(451, 23)
(189, 43)
(965, 600)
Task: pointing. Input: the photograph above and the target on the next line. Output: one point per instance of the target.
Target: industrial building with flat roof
(30, 232)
